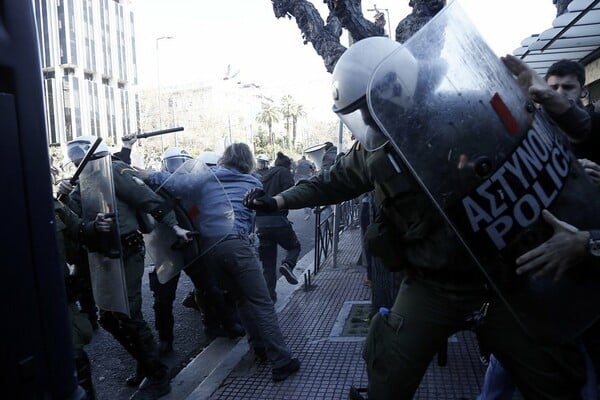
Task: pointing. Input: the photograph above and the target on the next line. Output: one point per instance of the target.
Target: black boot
(155, 385)
(108, 321)
(356, 393)
(134, 380)
(165, 347)
(190, 301)
(164, 321)
(234, 330)
(84, 374)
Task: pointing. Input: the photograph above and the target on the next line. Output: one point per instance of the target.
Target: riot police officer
(262, 165)
(164, 294)
(173, 158)
(443, 288)
(132, 331)
(71, 232)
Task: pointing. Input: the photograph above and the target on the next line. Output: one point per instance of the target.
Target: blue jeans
(498, 385)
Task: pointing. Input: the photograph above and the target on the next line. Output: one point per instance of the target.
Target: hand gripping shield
(105, 257)
(201, 205)
(490, 163)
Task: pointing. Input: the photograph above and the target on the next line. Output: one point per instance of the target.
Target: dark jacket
(275, 181)
(590, 147)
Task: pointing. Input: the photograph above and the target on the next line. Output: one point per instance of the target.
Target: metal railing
(325, 234)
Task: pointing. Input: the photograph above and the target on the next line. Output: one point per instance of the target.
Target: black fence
(324, 232)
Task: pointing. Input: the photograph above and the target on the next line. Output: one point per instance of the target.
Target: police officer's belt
(472, 275)
(230, 237)
(133, 241)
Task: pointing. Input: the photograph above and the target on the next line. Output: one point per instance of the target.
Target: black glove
(258, 200)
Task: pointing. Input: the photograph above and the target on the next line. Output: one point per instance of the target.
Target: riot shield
(187, 189)
(490, 163)
(106, 264)
(168, 254)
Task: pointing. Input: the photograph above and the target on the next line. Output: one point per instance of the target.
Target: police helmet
(173, 158)
(78, 147)
(210, 158)
(262, 161)
(351, 77)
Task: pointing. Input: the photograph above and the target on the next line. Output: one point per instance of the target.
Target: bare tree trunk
(325, 38)
(423, 11)
(561, 6)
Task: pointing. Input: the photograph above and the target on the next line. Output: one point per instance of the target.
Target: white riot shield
(490, 162)
(106, 264)
(166, 251)
(191, 185)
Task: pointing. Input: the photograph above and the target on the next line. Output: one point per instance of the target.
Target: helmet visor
(172, 163)
(364, 128)
(76, 152)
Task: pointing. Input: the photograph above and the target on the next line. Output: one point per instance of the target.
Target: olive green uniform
(133, 333)
(442, 290)
(69, 232)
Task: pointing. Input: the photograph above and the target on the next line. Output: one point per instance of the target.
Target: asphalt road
(111, 364)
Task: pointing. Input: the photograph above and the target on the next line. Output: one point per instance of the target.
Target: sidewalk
(319, 332)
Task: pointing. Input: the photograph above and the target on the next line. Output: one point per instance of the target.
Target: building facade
(87, 50)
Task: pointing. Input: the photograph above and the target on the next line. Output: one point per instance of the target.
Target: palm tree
(269, 115)
(297, 112)
(287, 107)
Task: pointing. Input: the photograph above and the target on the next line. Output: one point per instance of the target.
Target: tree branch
(325, 38)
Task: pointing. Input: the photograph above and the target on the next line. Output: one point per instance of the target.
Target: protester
(560, 96)
(218, 319)
(275, 229)
(233, 257)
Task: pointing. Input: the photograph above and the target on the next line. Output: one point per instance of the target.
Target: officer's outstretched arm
(257, 199)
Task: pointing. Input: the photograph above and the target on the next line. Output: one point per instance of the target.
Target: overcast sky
(209, 35)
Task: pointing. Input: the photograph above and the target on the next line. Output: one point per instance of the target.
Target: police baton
(153, 133)
(82, 164)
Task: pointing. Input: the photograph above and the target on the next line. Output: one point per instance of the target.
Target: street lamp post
(387, 11)
(160, 124)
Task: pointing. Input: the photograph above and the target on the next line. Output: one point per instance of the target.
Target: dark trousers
(236, 261)
(400, 347)
(83, 283)
(270, 238)
(215, 309)
(132, 332)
